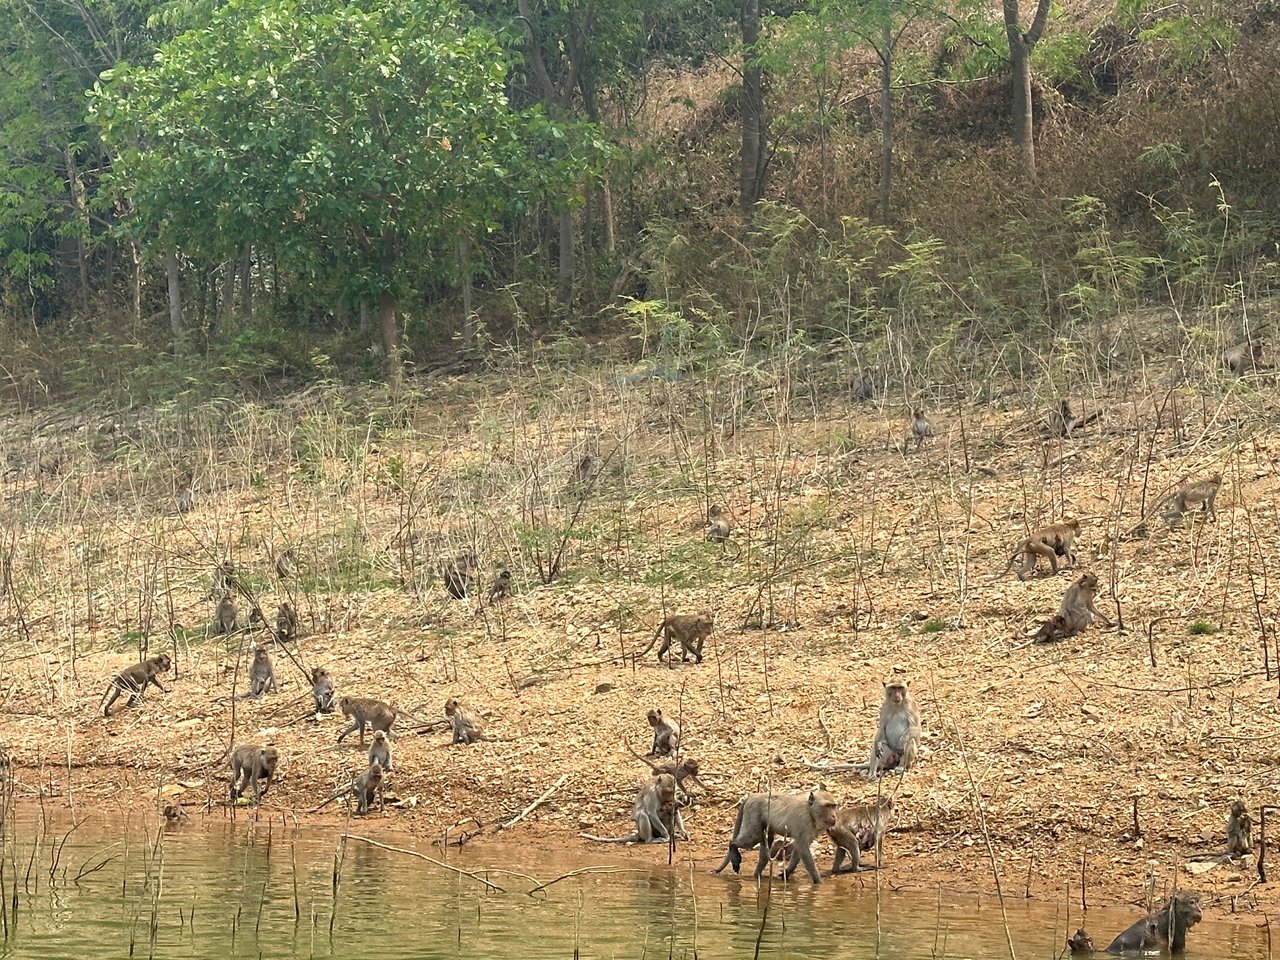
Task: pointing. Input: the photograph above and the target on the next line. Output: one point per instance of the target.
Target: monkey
(223, 580)
(186, 497)
(655, 813)
(719, 525)
(897, 736)
(322, 690)
(175, 812)
(858, 828)
(686, 769)
(286, 565)
(781, 850)
(262, 675)
(1080, 942)
(363, 788)
(666, 735)
(921, 428)
(1078, 608)
(1165, 928)
(501, 588)
(1244, 357)
(1239, 831)
(380, 751)
(467, 727)
(134, 680)
(457, 573)
(252, 763)
(1203, 492)
(862, 386)
(1052, 541)
(585, 470)
(1060, 422)
(225, 619)
(286, 622)
(256, 619)
(764, 816)
(690, 629)
(1055, 628)
(366, 712)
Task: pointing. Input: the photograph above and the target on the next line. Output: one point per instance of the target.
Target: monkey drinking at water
(689, 629)
(134, 681)
(655, 812)
(764, 816)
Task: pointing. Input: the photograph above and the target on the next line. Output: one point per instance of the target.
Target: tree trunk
(175, 299)
(564, 292)
(610, 238)
(468, 319)
(886, 118)
(1020, 47)
(755, 134)
(390, 339)
(246, 281)
(228, 288)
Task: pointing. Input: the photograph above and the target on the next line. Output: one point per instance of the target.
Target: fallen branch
(422, 856)
(537, 803)
(579, 872)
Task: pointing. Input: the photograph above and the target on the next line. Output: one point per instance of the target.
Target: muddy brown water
(119, 886)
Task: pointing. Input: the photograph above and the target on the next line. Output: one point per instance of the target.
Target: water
(222, 888)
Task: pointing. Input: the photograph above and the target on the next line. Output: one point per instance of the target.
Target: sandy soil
(865, 561)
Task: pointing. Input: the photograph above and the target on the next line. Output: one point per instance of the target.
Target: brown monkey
(689, 629)
(921, 428)
(1078, 608)
(254, 764)
(286, 565)
(262, 675)
(1060, 422)
(858, 828)
(666, 735)
(655, 813)
(1244, 357)
(1165, 928)
(1239, 831)
(458, 573)
(501, 588)
(1203, 492)
(1055, 628)
(380, 751)
(363, 788)
(862, 386)
(719, 525)
(764, 816)
(225, 619)
(134, 680)
(175, 812)
(256, 619)
(186, 498)
(686, 769)
(585, 470)
(366, 712)
(322, 690)
(286, 621)
(1080, 942)
(223, 580)
(1052, 541)
(467, 726)
(897, 735)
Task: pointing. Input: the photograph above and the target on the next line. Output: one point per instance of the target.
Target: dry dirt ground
(856, 559)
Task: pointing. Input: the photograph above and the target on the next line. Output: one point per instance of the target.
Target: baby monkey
(1080, 942)
(1239, 831)
(718, 524)
(1051, 542)
(666, 735)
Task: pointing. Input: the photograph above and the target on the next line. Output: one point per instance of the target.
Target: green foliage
(1202, 628)
(1191, 39)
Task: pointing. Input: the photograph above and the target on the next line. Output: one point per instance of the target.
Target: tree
(358, 146)
(753, 158)
(1020, 47)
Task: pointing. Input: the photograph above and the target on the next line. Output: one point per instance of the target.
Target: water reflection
(218, 888)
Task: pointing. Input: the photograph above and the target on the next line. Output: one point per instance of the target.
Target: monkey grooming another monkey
(286, 622)
(1166, 928)
(134, 680)
(764, 816)
(666, 735)
(1203, 492)
(858, 828)
(655, 813)
(252, 764)
(921, 428)
(262, 675)
(897, 735)
(467, 727)
(225, 619)
(1052, 541)
(686, 769)
(689, 629)
(1239, 831)
(1080, 942)
(1078, 607)
(366, 712)
(322, 690)
(380, 751)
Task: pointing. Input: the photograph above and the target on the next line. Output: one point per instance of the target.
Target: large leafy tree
(359, 144)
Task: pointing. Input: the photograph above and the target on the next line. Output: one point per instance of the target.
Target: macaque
(134, 681)
(585, 470)
(686, 769)
(1164, 929)
(366, 712)
(1239, 831)
(1080, 942)
(897, 735)
(655, 813)
(322, 690)
(666, 735)
(223, 580)
(719, 525)
(467, 726)
(501, 588)
(1202, 492)
(225, 619)
(262, 675)
(1053, 629)
(764, 816)
(253, 764)
(380, 751)
(689, 629)
(1078, 608)
(921, 428)
(286, 621)
(175, 812)
(1061, 421)
(186, 497)
(286, 565)
(862, 386)
(458, 573)
(1245, 357)
(1051, 542)
(364, 788)
(860, 827)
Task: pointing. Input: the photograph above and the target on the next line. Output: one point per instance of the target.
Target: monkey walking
(655, 812)
(765, 816)
(366, 712)
(1164, 929)
(689, 629)
(134, 681)
(1202, 492)
(686, 769)
(252, 764)
(666, 735)
(859, 828)
(1051, 542)
(921, 428)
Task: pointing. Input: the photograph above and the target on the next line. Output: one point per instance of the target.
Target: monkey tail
(645, 760)
(652, 640)
(1008, 566)
(631, 838)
